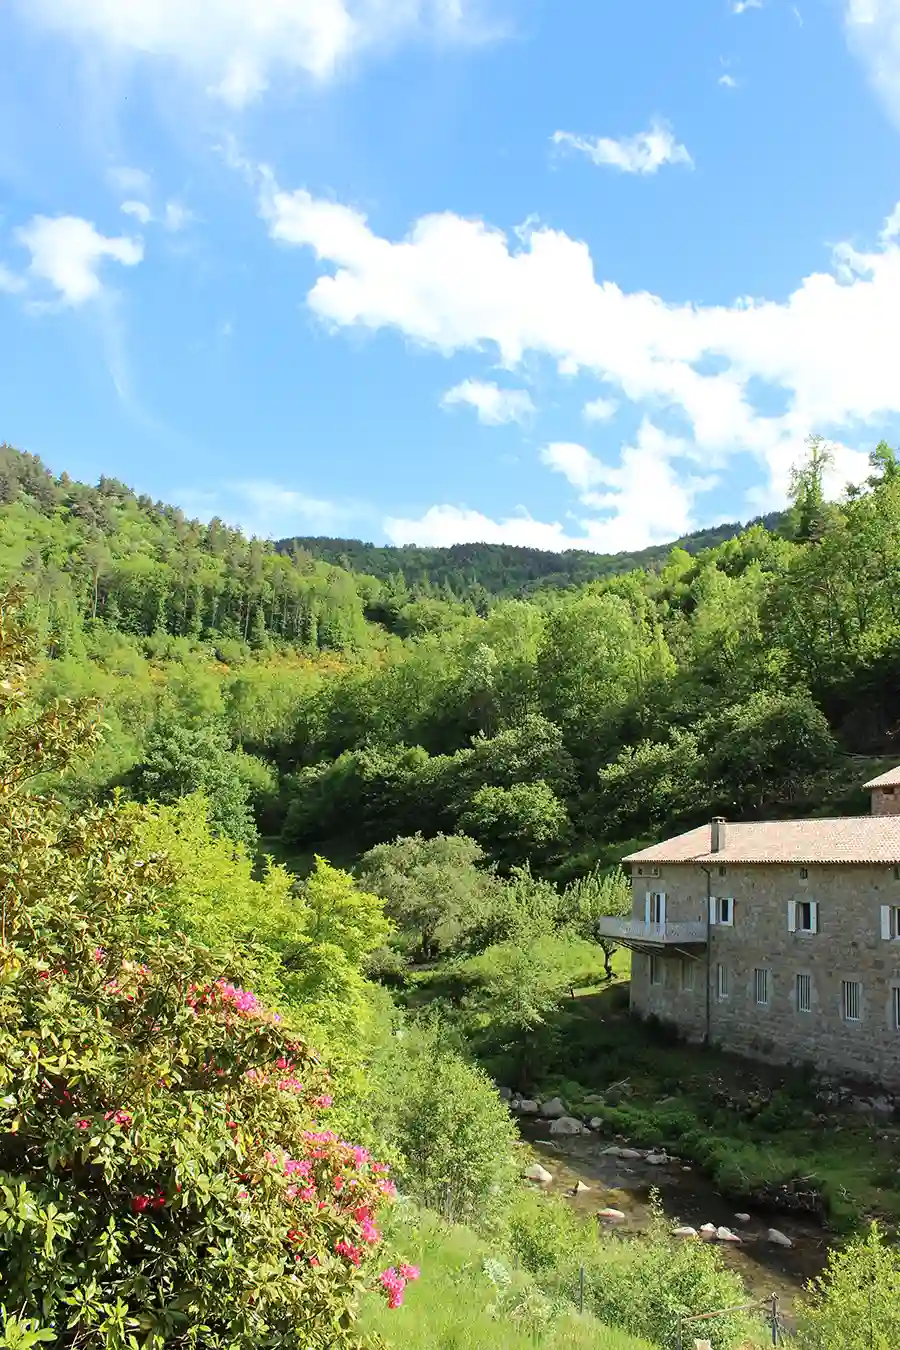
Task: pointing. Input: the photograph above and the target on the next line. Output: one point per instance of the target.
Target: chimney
(717, 835)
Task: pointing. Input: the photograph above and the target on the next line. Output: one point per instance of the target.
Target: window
(721, 909)
(656, 975)
(722, 982)
(723, 871)
(851, 1000)
(804, 873)
(804, 993)
(895, 1006)
(803, 916)
(687, 974)
(657, 907)
(761, 986)
(890, 922)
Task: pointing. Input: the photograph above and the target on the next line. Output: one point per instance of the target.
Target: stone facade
(886, 801)
(852, 961)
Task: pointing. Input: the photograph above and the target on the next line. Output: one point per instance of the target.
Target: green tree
(524, 821)
(590, 898)
(855, 1304)
(807, 490)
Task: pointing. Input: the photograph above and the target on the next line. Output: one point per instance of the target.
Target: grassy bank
(752, 1127)
(468, 1299)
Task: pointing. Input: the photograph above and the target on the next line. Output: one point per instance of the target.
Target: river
(687, 1198)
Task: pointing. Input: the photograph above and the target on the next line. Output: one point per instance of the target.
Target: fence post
(774, 1319)
(581, 1290)
(678, 1332)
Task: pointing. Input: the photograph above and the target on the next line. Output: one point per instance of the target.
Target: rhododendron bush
(167, 1173)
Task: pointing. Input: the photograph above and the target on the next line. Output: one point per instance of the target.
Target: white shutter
(662, 909)
(731, 911)
(886, 922)
(814, 916)
(792, 916)
(712, 909)
(647, 909)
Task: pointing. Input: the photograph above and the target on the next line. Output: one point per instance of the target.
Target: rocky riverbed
(595, 1173)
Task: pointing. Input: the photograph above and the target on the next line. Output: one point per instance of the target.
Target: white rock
(504, 1094)
(580, 1188)
(597, 1124)
(685, 1232)
(708, 1231)
(566, 1125)
(656, 1159)
(612, 1152)
(614, 1215)
(630, 1153)
(528, 1107)
(779, 1239)
(725, 1235)
(554, 1108)
(742, 1218)
(537, 1173)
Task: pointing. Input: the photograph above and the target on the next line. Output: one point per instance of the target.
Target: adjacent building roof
(844, 839)
(889, 779)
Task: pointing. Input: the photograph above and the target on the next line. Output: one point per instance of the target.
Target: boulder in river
(779, 1239)
(527, 1107)
(656, 1159)
(566, 1125)
(725, 1234)
(580, 1189)
(708, 1231)
(612, 1215)
(597, 1124)
(537, 1173)
(554, 1108)
(742, 1218)
(504, 1094)
(684, 1232)
(630, 1154)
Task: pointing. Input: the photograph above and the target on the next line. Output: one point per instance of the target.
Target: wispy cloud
(741, 6)
(493, 405)
(67, 253)
(644, 153)
(728, 81)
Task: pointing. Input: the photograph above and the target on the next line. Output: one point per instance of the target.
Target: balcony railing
(661, 934)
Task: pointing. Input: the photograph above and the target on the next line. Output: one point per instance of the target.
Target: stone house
(779, 940)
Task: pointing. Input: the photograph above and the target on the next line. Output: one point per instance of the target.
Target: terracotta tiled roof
(843, 839)
(888, 779)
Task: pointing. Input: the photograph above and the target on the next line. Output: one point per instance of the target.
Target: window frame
(723, 992)
(895, 1008)
(688, 967)
(851, 996)
(655, 969)
(801, 977)
(761, 979)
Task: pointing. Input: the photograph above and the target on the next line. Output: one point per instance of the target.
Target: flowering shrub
(163, 1172)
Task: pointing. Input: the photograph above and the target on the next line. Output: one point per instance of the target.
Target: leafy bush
(162, 1172)
(855, 1304)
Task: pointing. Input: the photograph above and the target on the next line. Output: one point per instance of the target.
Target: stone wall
(847, 946)
(886, 801)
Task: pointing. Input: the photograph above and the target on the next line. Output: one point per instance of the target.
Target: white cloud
(728, 81)
(236, 46)
(640, 502)
(741, 6)
(828, 350)
(177, 217)
(600, 410)
(891, 227)
(273, 511)
(67, 252)
(493, 405)
(644, 153)
(873, 31)
(10, 282)
(140, 210)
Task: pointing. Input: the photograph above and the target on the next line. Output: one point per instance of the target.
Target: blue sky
(551, 272)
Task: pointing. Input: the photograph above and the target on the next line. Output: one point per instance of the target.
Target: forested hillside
(352, 710)
(468, 570)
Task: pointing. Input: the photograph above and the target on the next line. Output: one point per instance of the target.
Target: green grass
(455, 1305)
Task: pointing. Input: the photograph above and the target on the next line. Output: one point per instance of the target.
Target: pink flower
(361, 1157)
(43, 975)
(122, 1118)
(139, 1203)
(393, 1285)
(308, 1193)
(322, 1102)
(409, 1272)
(347, 1249)
(83, 1125)
(314, 1261)
(158, 1201)
(388, 1188)
(99, 954)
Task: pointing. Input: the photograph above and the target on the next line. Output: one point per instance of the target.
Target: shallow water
(688, 1198)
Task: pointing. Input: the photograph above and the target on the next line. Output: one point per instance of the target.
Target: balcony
(637, 933)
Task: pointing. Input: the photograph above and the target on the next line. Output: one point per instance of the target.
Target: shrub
(855, 1304)
(162, 1173)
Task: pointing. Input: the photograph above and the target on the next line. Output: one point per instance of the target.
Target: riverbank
(766, 1137)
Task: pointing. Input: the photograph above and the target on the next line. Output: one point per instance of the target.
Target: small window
(761, 986)
(897, 873)
(804, 873)
(724, 909)
(890, 922)
(657, 907)
(895, 1007)
(722, 982)
(687, 975)
(806, 916)
(851, 1000)
(656, 975)
(723, 871)
(804, 993)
